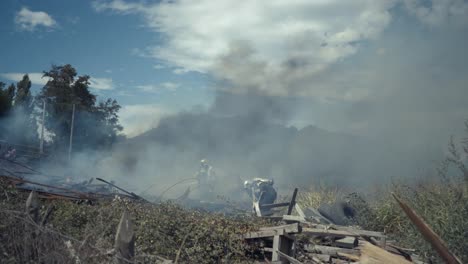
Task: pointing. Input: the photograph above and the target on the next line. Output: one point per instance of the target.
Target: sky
(367, 67)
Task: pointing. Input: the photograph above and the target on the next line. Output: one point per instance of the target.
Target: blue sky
(101, 45)
(353, 64)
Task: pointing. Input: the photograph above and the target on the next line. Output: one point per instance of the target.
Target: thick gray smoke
(385, 112)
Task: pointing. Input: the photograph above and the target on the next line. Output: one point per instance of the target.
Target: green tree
(6, 99)
(23, 97)
(6, 103)
(95, 125)
(23, 111)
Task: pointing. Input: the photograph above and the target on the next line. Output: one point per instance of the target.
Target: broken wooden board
(291, 228)
(294, 219)
(341, 233)
(331, 251)
(371, 254)
(347, 242)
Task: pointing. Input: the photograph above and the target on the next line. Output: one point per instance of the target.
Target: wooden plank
(436, 242)
(294, 219)
(293, 202)
(347, 242)
(332, 251)
(124, 241)
(269, 206)
(32, 206)
(258, 210)
(348, 256)
(371, 254)
(338, 233)
(289, 258)
(266, 233)
(276, 247)
(291, 228)
(299, 211)
(273, 218)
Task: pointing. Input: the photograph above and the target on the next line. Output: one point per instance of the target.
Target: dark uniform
(206, 177)
(262, 190)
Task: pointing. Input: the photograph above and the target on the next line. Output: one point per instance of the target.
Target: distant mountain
(252, 147)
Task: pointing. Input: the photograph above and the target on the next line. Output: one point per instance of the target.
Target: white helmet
(247, 184)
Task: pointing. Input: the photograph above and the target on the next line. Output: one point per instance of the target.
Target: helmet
(203, 161)
(247, 184)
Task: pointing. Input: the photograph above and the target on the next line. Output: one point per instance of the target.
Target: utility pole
(71, 133)
(41, 147)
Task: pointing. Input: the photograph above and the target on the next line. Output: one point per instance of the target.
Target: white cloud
(28, 20)
(137, 119)
(101, 83)
(36, 78)
(117, 5)
(180, 71)
(108, 71)
(278, 33)
(154, 88)
(159, 67)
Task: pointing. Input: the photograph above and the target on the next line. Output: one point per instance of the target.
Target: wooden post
(41, 146)
(293, 202)
(276, 248)
(124, 241)
(32, 211)
(70, 146)
(32, 206)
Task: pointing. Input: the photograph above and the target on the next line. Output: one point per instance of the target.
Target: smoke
(385, 115)
(350, 102)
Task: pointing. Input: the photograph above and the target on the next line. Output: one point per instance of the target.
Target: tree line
(96, 123)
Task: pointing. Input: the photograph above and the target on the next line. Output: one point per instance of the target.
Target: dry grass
(319, 194)
(79, 233)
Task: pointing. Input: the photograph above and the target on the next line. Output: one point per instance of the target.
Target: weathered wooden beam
(338, 233)
(265, 233)
(347, 242)
(293, 202)
(291, 228)
(276, 245)
(32, 206)
(258, 209)
(288, 258)
(299, 211)
(371, 254)
(30, 234)
(124, 241)
(294, 219)
(269, 206)
(332, 251)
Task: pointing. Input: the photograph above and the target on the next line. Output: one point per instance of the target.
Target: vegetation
(89, 232)
(96, 124)
(442, 201)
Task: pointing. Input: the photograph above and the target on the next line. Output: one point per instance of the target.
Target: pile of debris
(309, 237)
(306, 242)
(25, 178)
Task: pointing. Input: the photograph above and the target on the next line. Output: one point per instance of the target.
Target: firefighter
(205, 177)
(261, 189)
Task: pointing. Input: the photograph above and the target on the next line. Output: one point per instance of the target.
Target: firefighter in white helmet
(206, 178)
